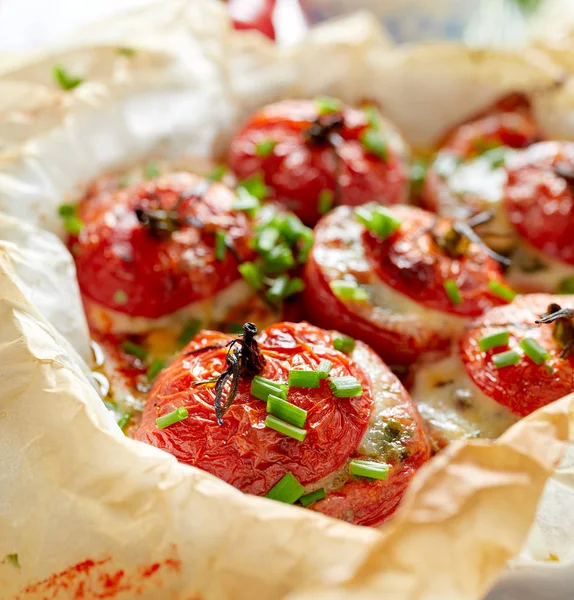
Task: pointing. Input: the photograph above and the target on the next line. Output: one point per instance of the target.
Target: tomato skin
(297, 171)
(410, 263)
(253, 14)
(539, 202)
(157, 275)
(254, 458)
(524, 387)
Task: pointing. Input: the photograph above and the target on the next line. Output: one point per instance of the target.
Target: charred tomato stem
(563, 331)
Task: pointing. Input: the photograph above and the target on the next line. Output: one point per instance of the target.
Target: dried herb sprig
(563, 326)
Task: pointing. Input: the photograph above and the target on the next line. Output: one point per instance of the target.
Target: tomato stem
(563, 326)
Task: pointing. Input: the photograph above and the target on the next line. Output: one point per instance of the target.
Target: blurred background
(29, 24)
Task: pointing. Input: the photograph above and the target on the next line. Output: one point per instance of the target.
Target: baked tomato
(378, 424)
(402, 294)
(542, 367)
(149, 250)
(315, 154)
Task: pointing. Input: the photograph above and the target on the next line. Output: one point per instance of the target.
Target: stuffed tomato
(316, 154)
(401, 279)
(512, 361)
(288, 415)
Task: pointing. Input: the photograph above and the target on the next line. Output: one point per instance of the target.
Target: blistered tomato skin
(298, 169)
(539, 198)
(252, 457)
(126, 266)
(408, 310)
(526, 386)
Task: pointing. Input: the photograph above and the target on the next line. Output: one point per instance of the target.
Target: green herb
(217, 174)
(325, 201)
(12, 559)
(505, 359)
(325, 367)
(452, 291)
(313, 497)
(179, 414)
(252, 275)
(501, 290)
(155, 369)
(348, 290)
(267, 239)
(283, 287)
(287, 490)
(282, 409)
(254, 186)
(134, 349)
(305, 243)
(367, 468)
(326, 105)
(344, 343)
(345, 387)
(220, 247)
(285, 428)
(262, 388)
(566, 286)
(151, 171)
(120, 297)
(534, 350)
(189, 332)
(280, 258)
(73, 225)
(64, 79)
(494, 340)
(417, 174)
(265, 148)
(292, 227)
(377, 220)
(125, 419)
(67, 210)
(374, 143)
(496, 157)
(124, 182)
(373, 116)
(303, 379)
(247, 203)
(124, 51)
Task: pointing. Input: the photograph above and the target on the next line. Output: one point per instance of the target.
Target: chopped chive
(246, 203)
(151, 171)
(535, 352)
(373, 116)
(348, 290)
(280, 408)
(377, 220)
(305, 243)
(501, 290)
(279, 259)
(262, 388)
(325, 201)
(285, 428)
(292, 227)
(294, 286)
(344, 343)
(345, 387)
(505, 359)
(287, 490)
(13, 560)
(265, 148)
(566, 286)
(367, 468)
(125, 419)
(64, 79)
(217, 173)
(220, 247)
(252, 275)
(452, 291)
(124, 182)
(189, 332)
(67, 210)
(179, 414)
(127, 51)
(254, 186)
(312, 497)
(73, 225)
(326, 105)
(304, 379)
(283, 287)
(417, 174)
(155, 369)
(374, 143)
(120, 297)
(325, 367)
(494, 340)
(496, 157)
(267, 239)
(134, 349)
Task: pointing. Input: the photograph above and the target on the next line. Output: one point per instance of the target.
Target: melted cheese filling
(453, 406)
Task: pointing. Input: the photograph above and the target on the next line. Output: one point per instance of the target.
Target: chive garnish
(246, 203)
(64, 79)
(326, 105)
(73, 225)
(312, 497)
(566, 286)
(534, 350)
(325, 367)
(262, 388)
(254, 186)
(452, 291)
(179, 414)
(304, 379)
(494, 340)
(267, 239)
(287, 490)
(155, 369)
(252, 275)
(280, 408)
(217, 173)
(189, 332)
(220, 245)
(325, 201)
(134, 349)
(283, 287)
(124, 420)
(367, 468)
(345, 387)
(505, 359)
(344, 343)
(348, 290)
(377, 220)
(373, 116)
(265, 148)
(67, 210)
(151, 171)
(280, 258)
(501, 290)
(374, 143)
(285, 428)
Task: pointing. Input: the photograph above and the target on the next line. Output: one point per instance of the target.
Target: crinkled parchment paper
(92, 514)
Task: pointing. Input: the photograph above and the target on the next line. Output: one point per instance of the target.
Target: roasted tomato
(316, 153)
(530, 382)
(539, 204)
(379, 425)
(467, 176)
(148, 250)
(415, 289)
